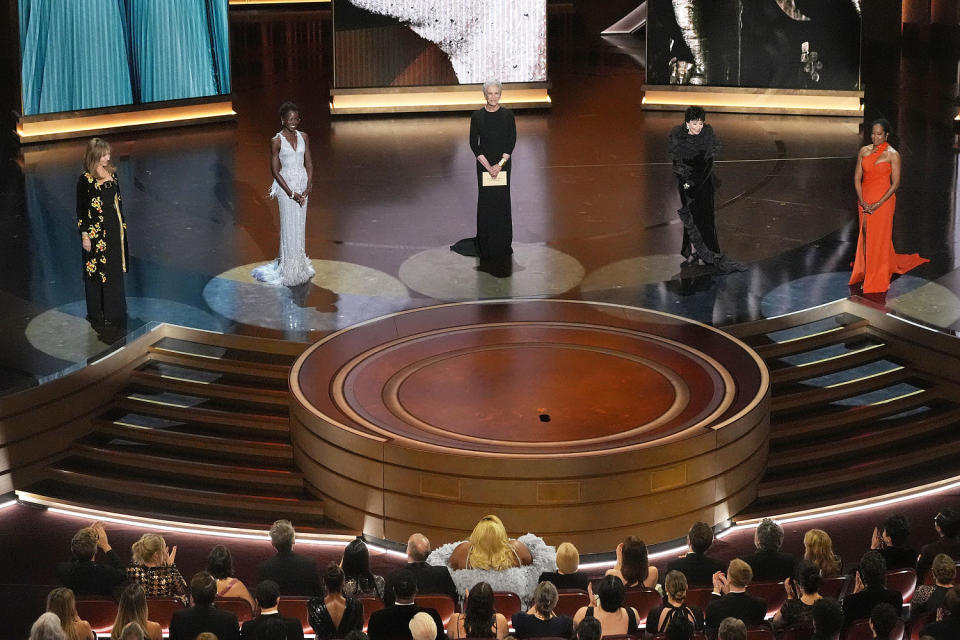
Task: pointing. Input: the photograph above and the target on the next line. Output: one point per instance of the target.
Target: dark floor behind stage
(594, 203)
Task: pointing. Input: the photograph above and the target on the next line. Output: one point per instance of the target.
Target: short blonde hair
(675, 584)
(147, 547)
(944, 569)
(568, 558)
(739, 573)
(422, 626)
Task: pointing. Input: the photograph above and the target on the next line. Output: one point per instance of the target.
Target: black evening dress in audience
(899, 558)
(322, 623)
(527, 625)
(100, 216)
(576, 580)
(659, 617)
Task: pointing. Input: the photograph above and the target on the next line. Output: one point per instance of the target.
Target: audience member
(818, 549)
(47, 627)
(633, 565)
(890, 539)
(334, 616)
(220, 566)
(615, 619)
(827, 619)
(430, 579)
(730, 597)
(679, 628)
(61, 602)
(490, 548)
(296, 574)
(480, 618)
(83, 574)
(154, 569)
(268, 593)
(393, 622)
(203, 616)
(567, 575)
(947, 524)
(132, 631)
(133, 608)
(883, 619)
(660, 618)
(696, 565)
(206, 635)
(802, 593)
(589, 629)
(540, 621)
(930, 597)
(358, 580)
(869, 590)
(732, 629)
(768, 563)
(422, 627)
(356, 635)
(949, 627)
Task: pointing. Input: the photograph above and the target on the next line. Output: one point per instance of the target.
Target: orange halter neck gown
(876, 259)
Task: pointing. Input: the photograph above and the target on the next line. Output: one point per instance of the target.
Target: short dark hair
(700, 536)
(589, 629)
(287, 107)
(694, 113)
(949, 522)
(873, 569)
(333, 578)
(267, 594)
(897, 527)
(769, 535)
(83, 545)
(404, 584)
(827, 617)
(883, 122)
(220, 562)
(203, 588)
(809, 578)
(611, 592)
(883, 617)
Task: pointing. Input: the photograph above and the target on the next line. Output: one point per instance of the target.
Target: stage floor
(594, 204)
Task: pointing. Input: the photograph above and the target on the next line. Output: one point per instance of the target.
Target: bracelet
(502, 162)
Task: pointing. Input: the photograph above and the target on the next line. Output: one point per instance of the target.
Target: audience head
(267, 593)
(739, 574)
(203, 588)
(356, 559)
(809, 577)
(568, 558)
(47, 627)
(611, 592)
(700, 537)
(418, 548)
(947, 522)
(818, 549)
(61, 602)
(132, 608)
(883, 618)
(423, 627)
(679, 628)
(545, 598)
(634, 565)
(897, 529)
(589, 629)
(83, 545)
(490, 546)
(675, 584)
(873, 569)
(404, 585)
(148, 549)
(220, 562)
(132, 631)
(944, 569)
(210, 635)
(769, 535)
(827, 617)
(282, 535)
(732, 629)
(694, 113)
(333, 578)
(479, 613)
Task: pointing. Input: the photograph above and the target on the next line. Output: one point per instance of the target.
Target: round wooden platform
(578, 421)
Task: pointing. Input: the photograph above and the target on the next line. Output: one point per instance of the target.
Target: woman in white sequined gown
(292, 172)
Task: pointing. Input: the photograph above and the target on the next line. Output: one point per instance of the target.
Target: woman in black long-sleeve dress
(103, 238)
(493, 134)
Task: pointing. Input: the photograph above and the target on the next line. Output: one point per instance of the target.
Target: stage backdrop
(792, 44)
(390, 43)
(91, 54)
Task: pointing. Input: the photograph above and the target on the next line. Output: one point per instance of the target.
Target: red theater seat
(507, 603)
(772, 593)
(918, 623)
(370, 604)
(293, 607)
(99, 612)
(760, 633)
(860, 630)
(699, 597)
(833, 587)
(443, 603)
(643, 600)
(239, 606)
(161, 610)
(904, 581)
(569, 601)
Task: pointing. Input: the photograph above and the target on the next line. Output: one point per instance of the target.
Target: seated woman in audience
(929, 597)
(153, 568)
(47, 627)
(540, 621)
(818, 550)
(659, 618)
(890, 539)
(615, 619)
(334, 616)
(632, 566)
(61, 602)
(220, 566)
(802, 593)
(133, 608)
(490, 548)
(566, 576)
(479, 618)
(357, 578)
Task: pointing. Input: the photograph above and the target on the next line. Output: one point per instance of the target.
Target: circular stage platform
(578, 421)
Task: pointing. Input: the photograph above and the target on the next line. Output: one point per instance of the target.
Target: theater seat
(797, 632)
(772, 593)
(161, 610)
(904, 581)
(833, 587)
(99, 612)
(294, 607)
(761, 632)
(239, 606)
(569, 601)
(699, 597)
(443, 603)
(860, 630)
(643, 600)
(918, 623)
(507, 603)
(370, 604)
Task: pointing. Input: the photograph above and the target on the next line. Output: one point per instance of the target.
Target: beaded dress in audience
(155, 571)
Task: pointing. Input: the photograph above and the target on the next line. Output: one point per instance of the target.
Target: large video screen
(794, 44)
(395, 43)
(91, 54)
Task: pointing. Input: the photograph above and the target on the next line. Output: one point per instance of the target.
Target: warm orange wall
(931, 11)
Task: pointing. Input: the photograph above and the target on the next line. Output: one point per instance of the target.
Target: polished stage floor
(594, 204)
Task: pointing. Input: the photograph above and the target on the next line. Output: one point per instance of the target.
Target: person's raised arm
(275, 166)
(858, 179)
(307, 164)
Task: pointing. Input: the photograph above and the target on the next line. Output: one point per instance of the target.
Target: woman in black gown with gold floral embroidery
(103, 238)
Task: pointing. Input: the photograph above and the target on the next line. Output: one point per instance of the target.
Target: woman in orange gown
(876, 180)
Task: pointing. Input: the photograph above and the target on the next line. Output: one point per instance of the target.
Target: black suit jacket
(697, 567)
(858, 606)
(771, 566)
(90, 578)
(250, 628)
(430, 579)
(393, 622)
(742, 606)
(187, 624)
(296, 574)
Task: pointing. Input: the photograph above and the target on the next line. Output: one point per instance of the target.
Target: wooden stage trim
(579, 421)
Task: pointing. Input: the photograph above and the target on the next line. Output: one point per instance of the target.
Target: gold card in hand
(499, 181)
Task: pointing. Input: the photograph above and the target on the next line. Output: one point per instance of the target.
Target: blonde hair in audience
(132, 608)
(818, 549)
(422, 626)
(739, 573)
(207, 635)
(147, 548)
(61, 602)
(489, 546)
(675, 584)
(568, 558)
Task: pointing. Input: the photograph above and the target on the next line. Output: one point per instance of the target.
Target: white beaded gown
(292, 267)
